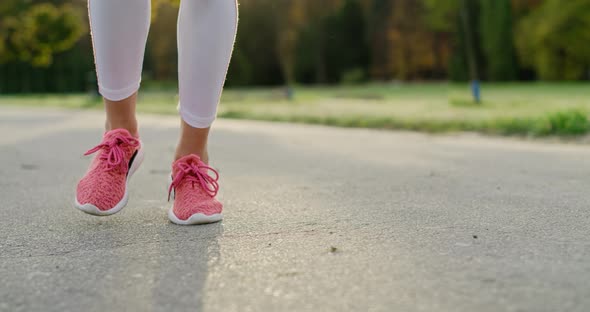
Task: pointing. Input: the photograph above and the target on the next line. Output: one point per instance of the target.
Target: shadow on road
(186, 256)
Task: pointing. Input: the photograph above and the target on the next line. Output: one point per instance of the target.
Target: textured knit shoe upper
(195, 186)
(105, 181)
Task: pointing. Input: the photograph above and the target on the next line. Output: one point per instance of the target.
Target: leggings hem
(196, 121)
(120, 94)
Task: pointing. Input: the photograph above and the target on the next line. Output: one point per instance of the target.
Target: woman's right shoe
(103, 190)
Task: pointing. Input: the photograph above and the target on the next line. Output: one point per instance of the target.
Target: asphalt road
(316, 219)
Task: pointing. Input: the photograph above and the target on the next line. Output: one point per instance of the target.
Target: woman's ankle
(181, 152)
(121, 114)
(130, 126)
(192, 141)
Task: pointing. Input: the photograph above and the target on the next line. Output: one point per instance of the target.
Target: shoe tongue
(117, 133)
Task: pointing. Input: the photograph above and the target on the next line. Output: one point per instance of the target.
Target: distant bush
(562, 123)
(353, 76)
(573, 122)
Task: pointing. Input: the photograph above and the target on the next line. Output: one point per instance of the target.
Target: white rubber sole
(93, 210)
(196, 219)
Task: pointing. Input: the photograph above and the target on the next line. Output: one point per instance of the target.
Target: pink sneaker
(194, 190)
(103, 190)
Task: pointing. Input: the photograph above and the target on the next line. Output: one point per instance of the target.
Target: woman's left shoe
(194, 187)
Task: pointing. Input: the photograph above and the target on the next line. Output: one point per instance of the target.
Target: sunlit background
(493, 66)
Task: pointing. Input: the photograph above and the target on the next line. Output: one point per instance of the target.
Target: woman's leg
(206, 35)
(119, 33)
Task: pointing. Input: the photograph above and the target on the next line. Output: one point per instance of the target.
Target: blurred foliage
(34, 32)
(45, 46)
(554, 39)
(263, 54)
(331, 45)
(439, 14)
(497, 43)
(157, 4)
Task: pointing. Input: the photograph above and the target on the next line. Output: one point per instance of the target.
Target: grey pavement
(316, 219)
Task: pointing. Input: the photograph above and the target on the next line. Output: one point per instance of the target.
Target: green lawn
(523, 109)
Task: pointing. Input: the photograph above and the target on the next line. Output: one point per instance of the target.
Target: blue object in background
(475, 90)
(289, 93)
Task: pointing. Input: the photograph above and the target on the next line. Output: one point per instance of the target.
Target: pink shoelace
(113, 154)
(196, 173)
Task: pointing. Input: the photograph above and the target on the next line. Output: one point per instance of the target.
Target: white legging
(206, 35)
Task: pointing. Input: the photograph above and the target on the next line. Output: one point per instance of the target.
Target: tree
(317, 17)
(458, 19)
(333, 46)
(521, 8)
(441, 15)
(256, 59)
(289, 25)
(407, 39)
(379, 23)
(497, 39)
(438, 16)
(554, 39)
(347, 49)
(34, 33)
(158, 4)
(161, 59)
(471, 43)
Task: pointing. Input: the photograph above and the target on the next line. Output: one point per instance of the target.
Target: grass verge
(532, 109)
